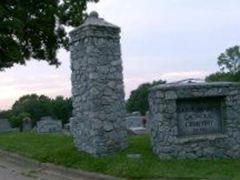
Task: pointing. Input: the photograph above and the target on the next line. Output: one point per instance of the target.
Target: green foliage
(5, 114)
(61, 108)
(17, 120)
(39, 106)
(138, 100)
(229, 61)
(36, 28)
(59, 149)
(222, 76)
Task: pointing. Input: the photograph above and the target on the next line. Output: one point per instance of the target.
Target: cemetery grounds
(59, 149)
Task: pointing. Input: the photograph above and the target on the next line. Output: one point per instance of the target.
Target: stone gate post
(98, 123)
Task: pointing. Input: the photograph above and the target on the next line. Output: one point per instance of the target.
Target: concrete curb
(53, 169)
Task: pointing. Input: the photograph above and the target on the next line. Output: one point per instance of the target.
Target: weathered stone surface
(195, 120)
(148, 120)
(134, 120)
(27, 124)
(49, 125)
(5, 126)
(98, 124)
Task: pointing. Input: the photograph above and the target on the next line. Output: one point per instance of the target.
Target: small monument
(134, 120)
(195, 120)
(27, 124)
(5, 126)
(49, 125)
(98, 124)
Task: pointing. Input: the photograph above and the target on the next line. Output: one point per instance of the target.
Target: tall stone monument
(98, 123)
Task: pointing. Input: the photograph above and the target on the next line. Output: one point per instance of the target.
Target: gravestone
(134, 120)
(49, 125)
(97, 88)
(27, 124)
(196, 120)
(66, 127)
(5, 126)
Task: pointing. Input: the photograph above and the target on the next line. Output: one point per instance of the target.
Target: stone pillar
(98, 123)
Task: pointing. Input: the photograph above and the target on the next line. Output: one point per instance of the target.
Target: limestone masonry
(98, 124)
(195, 120)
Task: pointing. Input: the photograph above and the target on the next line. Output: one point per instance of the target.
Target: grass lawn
(59, 149)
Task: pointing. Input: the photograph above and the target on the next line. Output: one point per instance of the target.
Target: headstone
(5, 126)
(195, 120)
(49, 125)
(97, 87)
(27, 124)
(67, 127)
(134, 120)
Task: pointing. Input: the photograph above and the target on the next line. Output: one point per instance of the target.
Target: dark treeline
(35, 107)
(138, 100)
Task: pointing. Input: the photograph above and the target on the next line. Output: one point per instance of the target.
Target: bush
(40, 106)
(222, 76)
(138, 100)
(17, 121)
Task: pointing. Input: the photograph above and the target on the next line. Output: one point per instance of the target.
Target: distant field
(59, 149)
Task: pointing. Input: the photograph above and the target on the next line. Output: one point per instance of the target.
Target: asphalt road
(14, 171)
(15, 167)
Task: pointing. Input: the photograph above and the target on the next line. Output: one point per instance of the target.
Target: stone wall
(195, 120)
(98, 124)
(49, 125)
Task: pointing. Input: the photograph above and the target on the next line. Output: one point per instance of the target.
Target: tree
(36, 106)
(230, 60)
(229, 63)
(62, 108)
(40, 106)
(36, 29)
(17, 120)
(224, 76)
(138, 100)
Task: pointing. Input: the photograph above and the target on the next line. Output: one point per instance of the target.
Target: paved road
(13, 171)
(15, 167)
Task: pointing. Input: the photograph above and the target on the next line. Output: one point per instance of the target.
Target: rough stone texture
(5, 126)
(134, 120)
(148, 125)
(195, 120)
(49, 125)
(98, 124)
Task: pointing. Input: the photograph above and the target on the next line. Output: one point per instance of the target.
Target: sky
(161, 39)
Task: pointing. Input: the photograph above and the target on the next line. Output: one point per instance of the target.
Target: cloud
(169, 40)
(33, 78)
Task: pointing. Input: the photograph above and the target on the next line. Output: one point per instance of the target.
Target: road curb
(53, 169)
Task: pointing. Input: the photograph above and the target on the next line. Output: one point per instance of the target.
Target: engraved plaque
(200, 116)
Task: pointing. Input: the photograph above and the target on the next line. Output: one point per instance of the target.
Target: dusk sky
(161, 39)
